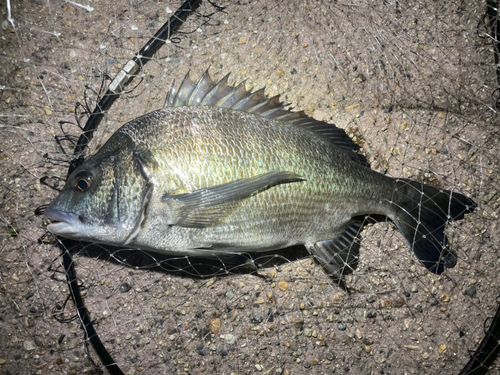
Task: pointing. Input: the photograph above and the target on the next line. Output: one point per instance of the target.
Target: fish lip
(62, 216)
(65, 222)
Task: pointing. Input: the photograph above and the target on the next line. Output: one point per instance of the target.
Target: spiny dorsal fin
(205, 92)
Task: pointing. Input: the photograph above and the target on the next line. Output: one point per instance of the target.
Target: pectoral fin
(209, 206)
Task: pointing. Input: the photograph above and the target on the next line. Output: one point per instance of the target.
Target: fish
(221, 171)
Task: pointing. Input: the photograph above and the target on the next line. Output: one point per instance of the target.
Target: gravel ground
(411, 83)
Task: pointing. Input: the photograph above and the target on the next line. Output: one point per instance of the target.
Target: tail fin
(422, 214)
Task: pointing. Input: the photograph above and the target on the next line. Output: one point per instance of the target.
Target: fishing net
(413, 84)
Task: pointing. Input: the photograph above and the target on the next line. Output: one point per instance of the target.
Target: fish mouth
(62, 223)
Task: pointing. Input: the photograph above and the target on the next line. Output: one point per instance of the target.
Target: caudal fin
(421, 216)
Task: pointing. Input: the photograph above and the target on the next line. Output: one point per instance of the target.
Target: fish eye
(83, 180)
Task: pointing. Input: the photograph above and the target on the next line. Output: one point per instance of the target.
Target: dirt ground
(412, 83)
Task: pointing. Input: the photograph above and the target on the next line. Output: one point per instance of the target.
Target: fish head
(103, 200)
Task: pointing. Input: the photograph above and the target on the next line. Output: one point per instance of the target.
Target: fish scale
(220, 171)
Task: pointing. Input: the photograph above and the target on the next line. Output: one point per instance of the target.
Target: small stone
(341, 326)
(441, 349)
(243, 40)
(352, 107)
(338, 297)
(201, 350)
(259, 301)
(29, 345)
(235, 315)
(445, 297)
(425, 355)
(359, 335)
(308, 332)
(283, 285)
(298, 324)
(280, 72)
(125, 287)
(368, 349)
(387, 303)
(230, 339)
(258, 367)
(412, 347)
(214, 325)
(211, 281)
(2, 361)
(414, 289)
(256, 317)
(230, 295)
(370, 298)
(329, 355)
(471, 292)
(222, 350)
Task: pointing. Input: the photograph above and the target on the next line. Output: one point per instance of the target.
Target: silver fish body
(220, 170)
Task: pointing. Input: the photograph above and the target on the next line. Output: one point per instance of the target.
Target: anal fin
(339, 257)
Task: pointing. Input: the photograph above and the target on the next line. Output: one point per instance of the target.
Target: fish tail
(421, 216)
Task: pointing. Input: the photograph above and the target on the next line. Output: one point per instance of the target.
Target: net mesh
(412, 84)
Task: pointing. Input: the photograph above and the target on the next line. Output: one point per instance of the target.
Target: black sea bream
(220, 170)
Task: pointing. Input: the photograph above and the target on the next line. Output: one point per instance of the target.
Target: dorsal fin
(205, 92)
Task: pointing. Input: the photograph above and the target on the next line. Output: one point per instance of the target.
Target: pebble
(283, 285)
(341, 326)
(222, 350)
(370, 298)
(386, 303)
(471, 292)
(258, 367)
(256, 317)
(125, 287)
(29, 345)
(230, 339)
(230, 295)
(329, 355)
(201, 350)
(338, 297)
(214, 325)
(259, 301)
